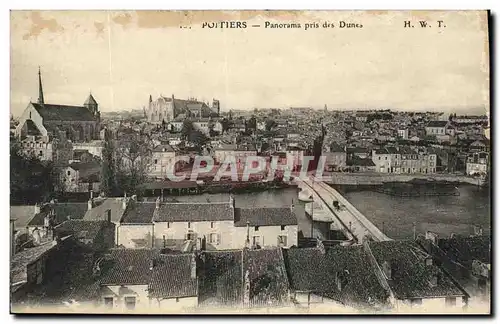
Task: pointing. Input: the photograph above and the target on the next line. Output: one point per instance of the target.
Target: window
(379, 158)
(189, 224)
(168, 224)
(68, 173)
(41, 153)
(256, 240)
(213, 238)
(108, 302)
(416, 302)
(282, 227)
(281, 240)
(450, 301)
(156, 161)
(177, 299)
(130, 302)
(211, 224)
(386, 157)
(190, 236)
(256, 228)
(108, 215)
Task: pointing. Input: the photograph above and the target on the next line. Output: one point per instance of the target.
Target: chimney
(193, 267)
(90, 204)
(198, 244)
(320, 246)
(231, 201)
(158, 203)
(387, 269)
(91, 194)
(124, 202)
(292, 207)
(37, 209)
(151, 264)
(247, 241)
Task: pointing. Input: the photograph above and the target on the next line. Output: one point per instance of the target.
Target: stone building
(41, 124)
(168, 108)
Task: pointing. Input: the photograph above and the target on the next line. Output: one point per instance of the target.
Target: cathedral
(166, 109)
(49, 121)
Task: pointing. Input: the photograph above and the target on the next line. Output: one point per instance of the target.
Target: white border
(180, 4)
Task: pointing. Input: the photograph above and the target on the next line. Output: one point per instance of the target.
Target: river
(442, 215)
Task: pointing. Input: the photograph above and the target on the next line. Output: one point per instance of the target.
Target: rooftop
(189, 212)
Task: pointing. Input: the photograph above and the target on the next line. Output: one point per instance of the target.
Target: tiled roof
(139, 213)
(311, 270)
(336, 148)
(223, 277)
(62, 112)
(99, 211)
(437, 123)
(189, 212)
(81, 228)
(128, 267)
(267, 274)
(264, 216)
(467, 249)
(171, 277)
(20, 261)
(411, 277)
(356, 161)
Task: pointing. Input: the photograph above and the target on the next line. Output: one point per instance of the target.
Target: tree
(133, 158)
(226, 124)
(108, 170)
(270, 124)
(198, 138)
(31, 180)
(252, 124)
(187, 128)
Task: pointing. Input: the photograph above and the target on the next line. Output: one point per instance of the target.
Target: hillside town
(97, 223)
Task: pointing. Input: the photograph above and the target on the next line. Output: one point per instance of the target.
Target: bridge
(336, 209)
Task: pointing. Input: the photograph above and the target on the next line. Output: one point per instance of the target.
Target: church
(76, 123)
(166, 109)
(42, 124)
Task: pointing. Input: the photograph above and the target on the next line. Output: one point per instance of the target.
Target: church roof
(62, 112)
(90, 100)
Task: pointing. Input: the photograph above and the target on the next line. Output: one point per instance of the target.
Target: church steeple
(40, 88)
(91, 104)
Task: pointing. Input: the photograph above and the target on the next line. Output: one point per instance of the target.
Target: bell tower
(40, 88)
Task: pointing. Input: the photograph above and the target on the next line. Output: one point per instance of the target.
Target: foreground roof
(264, 216)
(411, 276)
(63, 112)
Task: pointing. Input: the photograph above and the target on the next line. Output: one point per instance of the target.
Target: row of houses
(215, 226)
(382, 276)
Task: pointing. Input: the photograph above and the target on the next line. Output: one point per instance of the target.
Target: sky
(123, 57)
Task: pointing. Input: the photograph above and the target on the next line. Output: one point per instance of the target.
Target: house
(335, 158)
(436, 127)
(59, 150)
(28, 268)
(265, 227)
(97, 235)
(81, 177)
(334, 276)
(163, 159)
(243, 278)
(477, 163)
(357, 164)
(47, 216)
(240, 153)
(295, 157)
(401, 160)
(207, 226)
(94, 147)
(412, 277)
(467, 259)
(403, 133)
(360, 152)
(107, 209)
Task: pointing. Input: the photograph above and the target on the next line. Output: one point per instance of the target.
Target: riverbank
(362, 179)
